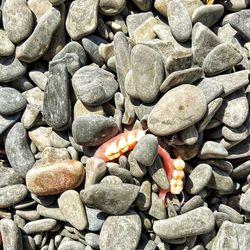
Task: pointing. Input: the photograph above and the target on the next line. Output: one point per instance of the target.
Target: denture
(124, 142)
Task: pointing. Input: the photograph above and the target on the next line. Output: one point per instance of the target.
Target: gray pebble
(136, 169)
(195, 202)
(39, 78)
(29, 215)
(43, 200)
(234, 216)
(143, 5)
(111, 8)
(220, 217)
(34, 97)
(8, 176)
(157, 209)
(59, 139)
(211, 149)
(241, 171)
(30, 116)
(28, 243)
(7, 48)
(189, 135)
(122, 173)
(41, 225)
(144, 197)
(92, 240)
(7, 120)
(95, 218)
(71, 244)
(235, 134)
(51, 212)
(226, 166)
(241, 150)
(245, 201)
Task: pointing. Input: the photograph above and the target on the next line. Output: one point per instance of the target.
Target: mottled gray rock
(71, 244)
(11, 68)
(179, 20)
(208, 14)
(117, 231)
(17, 149)
(7, 120)
(186, 224)
(94, 86)
(245, 201)
(82, 18)
(38, 42)
(11, 101)
(93, 130)
(41, 225)
(118, 197)
(111, 8)
(50, 212)
(29, 215)
(235, 5)
(198, 179)
(7, 48)
(122, 173)
(11, 195)
(157, 209)
(72, 208)
(234, 109)
(234, 216)
(241, 171)
(226, 166)
(95, 218)
(240, 22)
(178, 109)
(211, 149)
(17, 20)
(10, 235)
(147, 72)
(189, 135)
(243, 234)
(221, 58)
(195, 202)
(143, 200)
(30, 116)
(186, 76)
(34, 97)
(8, 176)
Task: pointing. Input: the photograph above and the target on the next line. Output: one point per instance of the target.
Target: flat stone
(59, 139)
(55, 178)
(189, 135)
(234, 109)
(123, 230)
(240, 150)
(235, 134)
(157, 209)
(7, 120)
(39, 78)
(211, 149)
(11, 195)
(29, 215)
(245, 201)
(51, 212)
(243, 235)
(18, 151)
(186, 76)
(41, 225)
(118, 197)
(122, 173)
(179, 21)
(199, 178)
(34, 97)
(234, 216)
(240, 22)
(51, 154)
(92, 239)
(39, 7)
(30, 116)
(143, 200)
(185, 225)
(71, 244)
(175, 110)
(94, 86)
(95, 218)
(82, 18)
(7, 48)
(208, 14)
(241, 171)
(192, 5)
(11, 101)
(136, 169)
(8, 176)
(11, 237)
(38, 42)
(17, 20)
(195, 202)
(93, 130)
(111, 8)
(72, 208)
(161, 7)
(220, 59)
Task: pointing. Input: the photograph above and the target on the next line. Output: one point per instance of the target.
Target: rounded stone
(96, 219)
(178, 109)
(7, 48)
(8, 176)
(41, 225)
(111, 8)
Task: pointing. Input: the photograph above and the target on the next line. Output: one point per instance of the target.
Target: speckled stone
(245, 201)
(111, 8)
(7, 48)
(8, 176)
(41, 225)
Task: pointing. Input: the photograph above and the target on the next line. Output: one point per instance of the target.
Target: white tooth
(175, 174)
(178, 189)
(122, 145)
(179, 164)
(111, 150)
(173, 182)
(179, 183)
(140, 134)
(174, 190)
(131, 139)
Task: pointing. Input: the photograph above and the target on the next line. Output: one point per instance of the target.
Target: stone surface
(30, 116)
(235, 134)
(189, 135)
(123, 230)
(111, 8)
(245, 201)
(118, 197)
(211, 149)
(6, 46)
(51, 212)
(41, 225)
(8, 176)
(195, 202)
(55, 178)
(34, 96)
(82, 18)
(95, 218)
(241, 171)
(71, 244)
(7, 120)
(157, 209)
(178, 109)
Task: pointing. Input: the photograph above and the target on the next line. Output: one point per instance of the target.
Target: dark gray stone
(143, 200)
(241, 150)
(122, 173)
(95, 218)
(143, 5)
(234, 216)
(8, 176)
(41, 225)
(157, 209)
(195, 202)
(211, 149)
(241, 171)
(7, 120)
(136, 169)
(235, 134)
(190, 135)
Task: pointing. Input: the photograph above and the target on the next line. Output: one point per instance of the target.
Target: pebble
(18, 151)
(82, 18)
(7, 120)
(118, 197)
(28, 243)
(199, 178)
(157, 209)
(8, 176)
(10, 235)
(51, 212)
(55, 178)
(189, 135)
(211, 150)
(30, 116)
(59, 139)
(93, 130)
(34, 97)
(179, 20)
(184, 106)
(7, 48)
(12, 194)
(29, 215)
(136, 169)
(111, 8)
(185, 225)
(234, 216)
(71, 244)
(195, 202)
(143, 200)
(122, 173)
(72, 208)
(37, 226)
(241, 171)
(123, 230)
(92, 240)
(222, 164)
(208, 14)
(94, 86)
(235, 134)
(39, 78)
(95, 219)
(38, 42)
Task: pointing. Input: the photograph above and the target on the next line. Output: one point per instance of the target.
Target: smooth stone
(7, 48)
(243, 234)
(95, 219)
(208, 14)
(220, 59)
(55, 178)
(7, 120)
(11, 101)
(111, 179)
(187, 101)
(185, 225)
(93, 130)
(39, 7)
(189, 135)
(143, 5)
(122, 173)
(198, 179)
(161, 7)
(118, 197)
(82, 18)
(43, 200)
(136, 169)
(51, 154)
(11, 69)
(111, 8)
(59, 139)
(240, 22)
(51, 212)
(18, 151)
(106, 51)
(41, 225)
(245, 201)
(203, 41)
(11, 237)
(235, 134)
(220, 218)
(38, 42)
(8, 176)
(94, 86)
(57, 104)
(143, 200)
(71, 244)
(147, 81)
(234, 109)
(17, 20)
(241, 171)
(92, 240)
(211, 149)
(195, 202)
(226, 166)
(179, 20)
(186, 76)
(157, 209)
(210, 88)
(241, 150)
(30, 116)
(28, 243)
(235, 5)
(34, 97)
(123, 230)
(72, 208)
(39, 78)
(29, 215)
(234, 216)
